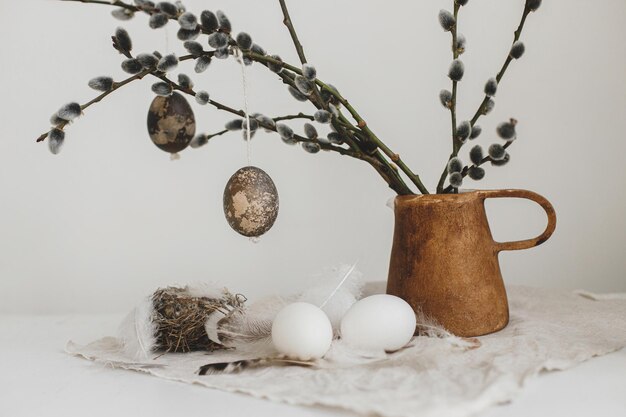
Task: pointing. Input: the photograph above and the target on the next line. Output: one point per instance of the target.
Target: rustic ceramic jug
(444, 260)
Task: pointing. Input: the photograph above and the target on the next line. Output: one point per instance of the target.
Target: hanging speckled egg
(250, 201)
(171, 123)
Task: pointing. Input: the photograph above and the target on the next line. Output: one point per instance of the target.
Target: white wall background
(110, 218)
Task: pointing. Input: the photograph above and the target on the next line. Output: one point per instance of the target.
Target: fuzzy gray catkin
(517, 50)
(56, 138)
(158, 20)
(506, 130)
(533, 5)
(455, 165)
(221, 53)
(148, 61)
(188, 21)
(224, 22)
(218, 40)
(334, 138)
(202, 64)
(322, 116)
(194, 48)
(295, 93)
(445, 97)
(446, 20)
(69, 112)
(122, 14)
(476, 173)
(276, 67)
(131, 66)
(162, 89)
(167, 63)
(456, 179)
(284, 131)
(463, 131)
(476, 131)
(309, 72)
(311, 147)
(456, 70)
(188, 35)
(202, 97)
(101, 83)
(488, 107)
(184, 81)
(257, 49)
(167, 8)
(310, 131)
(476, 154)
(123, 40)
(491, 87)
(209, 22)
(199, 140)
(503, 161)
(461, 2)
(266, 122)
(244, 41)
(497, 152)
(303, 85)
(461, 43)
(235, 124)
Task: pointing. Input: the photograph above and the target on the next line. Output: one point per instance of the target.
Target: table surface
(37, 378)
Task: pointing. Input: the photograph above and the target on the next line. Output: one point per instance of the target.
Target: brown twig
(292, 31)
(455, 146)
(505, 65)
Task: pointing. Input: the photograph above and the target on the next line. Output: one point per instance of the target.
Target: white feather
(138, 331)
(335, 292)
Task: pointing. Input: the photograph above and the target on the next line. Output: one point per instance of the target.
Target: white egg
(302, 331)
(379, 322)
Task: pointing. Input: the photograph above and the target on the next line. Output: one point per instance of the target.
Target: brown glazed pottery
(444, 261)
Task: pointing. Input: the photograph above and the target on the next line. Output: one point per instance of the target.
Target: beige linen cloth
(549, 330)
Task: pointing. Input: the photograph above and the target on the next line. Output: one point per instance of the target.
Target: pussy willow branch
(507, 61)
(481, 107)
(361, 124)
(466, 169)
(455, 147)
(114, 87)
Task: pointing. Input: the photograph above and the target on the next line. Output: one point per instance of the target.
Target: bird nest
(180, 316)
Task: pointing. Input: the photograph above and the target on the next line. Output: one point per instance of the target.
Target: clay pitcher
(444, 260)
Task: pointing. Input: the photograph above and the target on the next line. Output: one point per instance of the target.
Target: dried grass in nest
(180, 318)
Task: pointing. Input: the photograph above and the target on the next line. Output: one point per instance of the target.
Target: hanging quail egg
(171, 123)
(250, 201)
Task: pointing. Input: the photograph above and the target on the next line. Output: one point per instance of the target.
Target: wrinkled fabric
(548, 330)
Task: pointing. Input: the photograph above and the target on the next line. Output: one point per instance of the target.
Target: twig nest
(379, 322)
(171, 123)
(250, 202)
(302, 331)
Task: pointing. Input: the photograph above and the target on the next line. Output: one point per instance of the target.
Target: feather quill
(241, 365)
(335, 292)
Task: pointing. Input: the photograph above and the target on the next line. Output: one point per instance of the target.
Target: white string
(245, 108)
(167, 40)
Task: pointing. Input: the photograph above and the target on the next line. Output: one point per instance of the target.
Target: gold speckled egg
(250, 201)
(171, 123)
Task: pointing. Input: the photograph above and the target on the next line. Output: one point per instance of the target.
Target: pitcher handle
(542, 201)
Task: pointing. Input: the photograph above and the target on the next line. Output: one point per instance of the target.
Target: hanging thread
(245, 107)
